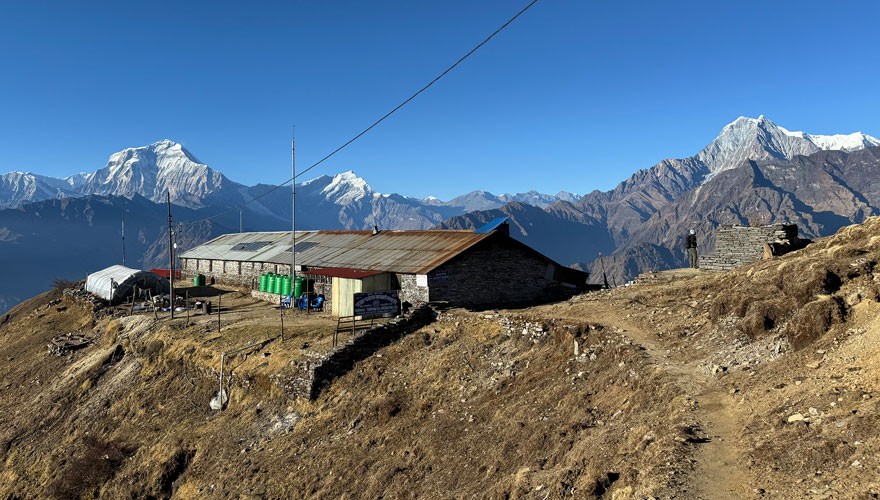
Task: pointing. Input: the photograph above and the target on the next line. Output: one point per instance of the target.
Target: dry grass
(469, 406)
(93, 463)
(804, 292)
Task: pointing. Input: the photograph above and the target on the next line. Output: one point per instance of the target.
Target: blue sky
(575, 95)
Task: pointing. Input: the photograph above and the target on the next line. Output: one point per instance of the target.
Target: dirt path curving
(720, 470)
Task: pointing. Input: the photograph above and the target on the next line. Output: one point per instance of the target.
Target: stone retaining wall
(740, 245)
(310, 377)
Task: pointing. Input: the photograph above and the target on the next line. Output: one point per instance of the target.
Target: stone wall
(314, 375)
(497, 272)
(410, 291)
(231, 272)
(740, 245)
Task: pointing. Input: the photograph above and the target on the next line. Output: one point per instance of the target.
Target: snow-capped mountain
(148, 171)
(152, 170)
(642, 218)
(761, 139)
(540, 200)
(340, 189)
(484, 200)
(23, 187)
(166, 166)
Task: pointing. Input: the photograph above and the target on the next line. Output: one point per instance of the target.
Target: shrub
(90, 467)
(805, 286)
(64, 283)
(814, 319)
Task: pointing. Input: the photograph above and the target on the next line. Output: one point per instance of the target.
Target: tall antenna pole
(123, 231)
(170, 254)
(240, 224)
(604, 275)
(293, 212)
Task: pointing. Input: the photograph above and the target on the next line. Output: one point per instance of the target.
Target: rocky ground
(760, 382)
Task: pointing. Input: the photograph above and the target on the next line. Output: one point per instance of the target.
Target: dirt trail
(720, 471)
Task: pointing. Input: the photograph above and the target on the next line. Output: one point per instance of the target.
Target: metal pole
(293, 215)
(219, 296)
(240, 223)
(281, 311)
(187, 307)
(170, 254)
(123, 231)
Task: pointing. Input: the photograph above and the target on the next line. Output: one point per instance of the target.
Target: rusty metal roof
(342, 272)
(405, 251)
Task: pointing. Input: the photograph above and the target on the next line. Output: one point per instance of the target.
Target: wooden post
(222, 359)
(133, 298)
(153, 303)
(281, 311)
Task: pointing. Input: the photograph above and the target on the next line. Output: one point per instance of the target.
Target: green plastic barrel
(263, 282)
(199, 280)
(270, 283)
(276, 287)
(298, 287)
(285, 286)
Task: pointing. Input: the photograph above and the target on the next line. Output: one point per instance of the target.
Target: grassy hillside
(760, 381)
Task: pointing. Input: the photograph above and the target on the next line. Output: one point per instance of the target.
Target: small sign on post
(377, 304)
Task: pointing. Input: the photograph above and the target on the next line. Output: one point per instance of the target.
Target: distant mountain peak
(760, 139)
(347, 187)
(151, 171)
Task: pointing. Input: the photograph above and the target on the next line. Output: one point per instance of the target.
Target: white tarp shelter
(115, 283)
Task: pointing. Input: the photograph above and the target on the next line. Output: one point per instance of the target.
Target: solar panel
(252, 246)
(305, 245)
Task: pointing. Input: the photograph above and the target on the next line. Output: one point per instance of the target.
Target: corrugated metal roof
(342, 272)
(411, 252)
(224, 247)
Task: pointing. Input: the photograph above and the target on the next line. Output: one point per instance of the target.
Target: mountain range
(754, 171)
(167, 167)
(42, 216)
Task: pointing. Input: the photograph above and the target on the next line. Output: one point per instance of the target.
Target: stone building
(740, 245)
(467, 268)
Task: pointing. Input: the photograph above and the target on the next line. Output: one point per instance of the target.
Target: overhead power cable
(380, 120)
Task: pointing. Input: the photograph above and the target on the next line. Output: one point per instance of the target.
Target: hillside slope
(760, 381)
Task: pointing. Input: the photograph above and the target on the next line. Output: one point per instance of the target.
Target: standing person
(692, 248)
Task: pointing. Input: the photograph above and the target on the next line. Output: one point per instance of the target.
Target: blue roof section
(491, 226)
